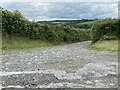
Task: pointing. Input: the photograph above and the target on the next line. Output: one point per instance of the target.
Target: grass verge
(18, 43)
(105, 45)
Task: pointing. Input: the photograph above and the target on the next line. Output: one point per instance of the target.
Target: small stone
(88, 82)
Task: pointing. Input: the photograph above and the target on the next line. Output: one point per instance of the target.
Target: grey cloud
(64, 10)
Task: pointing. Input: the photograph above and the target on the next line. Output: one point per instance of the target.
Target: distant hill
(66, 21)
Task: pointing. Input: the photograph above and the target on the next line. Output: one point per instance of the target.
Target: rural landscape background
(69, 27)
(60, 44)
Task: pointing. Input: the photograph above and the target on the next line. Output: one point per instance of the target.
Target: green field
(58, 22)
(88, 22)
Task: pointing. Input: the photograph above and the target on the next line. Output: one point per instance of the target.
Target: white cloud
(60, 0)
(64, 10)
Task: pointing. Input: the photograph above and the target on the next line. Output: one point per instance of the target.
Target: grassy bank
(105, 45)
(17, 43)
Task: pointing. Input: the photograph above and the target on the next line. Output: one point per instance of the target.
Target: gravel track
(64, 66)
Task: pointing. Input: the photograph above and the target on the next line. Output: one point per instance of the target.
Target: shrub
(104, 27)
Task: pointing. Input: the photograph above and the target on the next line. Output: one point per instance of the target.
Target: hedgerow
(106, 28)
(13, 23)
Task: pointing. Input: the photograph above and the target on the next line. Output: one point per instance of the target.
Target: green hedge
(13, 23)
(105, 28)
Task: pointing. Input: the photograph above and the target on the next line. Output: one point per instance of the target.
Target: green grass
(105, 45)
(88, 22)
(58, 22)
(18, 43)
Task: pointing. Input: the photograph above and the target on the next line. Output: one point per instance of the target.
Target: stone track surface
(64, 66)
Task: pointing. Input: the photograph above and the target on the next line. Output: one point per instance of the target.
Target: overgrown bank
(105, 45)
(106, 29)
(33, 34)
(14, 24)
(106, 35)
(17, 43)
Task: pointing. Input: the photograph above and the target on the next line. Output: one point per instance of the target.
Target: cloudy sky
(64, 10)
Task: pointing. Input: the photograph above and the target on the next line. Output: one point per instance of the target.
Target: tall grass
(17, 43)
(105, 45)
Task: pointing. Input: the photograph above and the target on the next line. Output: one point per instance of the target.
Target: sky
(64, 10)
